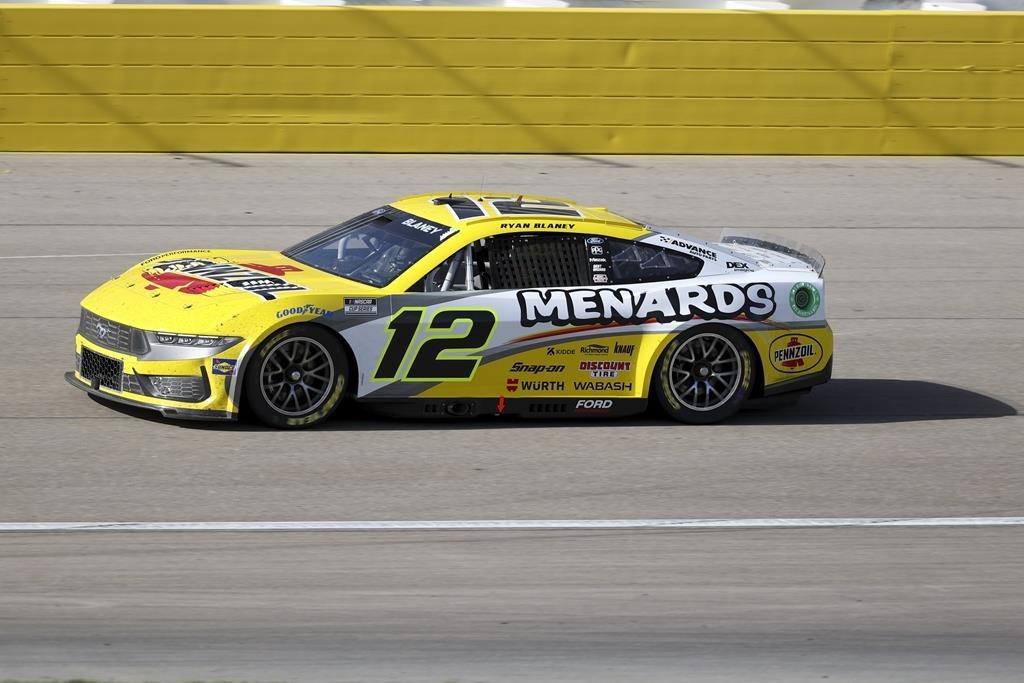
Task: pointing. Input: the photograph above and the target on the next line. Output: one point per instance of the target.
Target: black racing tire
(296, 378)
(704, 375)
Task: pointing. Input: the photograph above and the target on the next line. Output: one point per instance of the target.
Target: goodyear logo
(793, 353)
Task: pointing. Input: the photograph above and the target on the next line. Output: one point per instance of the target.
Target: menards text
(584, 306)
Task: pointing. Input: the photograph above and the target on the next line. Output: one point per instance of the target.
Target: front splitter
(166, 411)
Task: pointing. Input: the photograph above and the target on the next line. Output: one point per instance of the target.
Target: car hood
(201, 290)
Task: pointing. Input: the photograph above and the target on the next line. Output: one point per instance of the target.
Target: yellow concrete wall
(362, 79)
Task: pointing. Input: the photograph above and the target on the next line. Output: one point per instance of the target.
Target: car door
(449, 334)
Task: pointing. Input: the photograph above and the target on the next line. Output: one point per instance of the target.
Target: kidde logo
(594, 405)
(794, 353)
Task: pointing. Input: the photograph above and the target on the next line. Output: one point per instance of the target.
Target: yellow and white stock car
(462, 304)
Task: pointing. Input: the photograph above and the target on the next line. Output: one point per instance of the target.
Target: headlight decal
(182, 346)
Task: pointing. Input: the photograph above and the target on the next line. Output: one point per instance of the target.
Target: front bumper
(167, 411)
(188, 388)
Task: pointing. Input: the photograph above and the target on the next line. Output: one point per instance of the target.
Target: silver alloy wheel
(296, 376)
(705, 371)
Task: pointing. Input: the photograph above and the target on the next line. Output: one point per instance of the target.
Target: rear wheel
(297, 377)
(704, 375)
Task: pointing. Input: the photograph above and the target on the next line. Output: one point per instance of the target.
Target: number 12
(427, 362)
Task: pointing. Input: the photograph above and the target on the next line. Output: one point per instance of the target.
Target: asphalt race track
(925, 296)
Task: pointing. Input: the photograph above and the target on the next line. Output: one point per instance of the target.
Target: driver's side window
(449, 276)
(528, 260)
(514, 261)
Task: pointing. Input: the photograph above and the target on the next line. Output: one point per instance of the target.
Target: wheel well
(758, 385)
(243, 403)
(758, 380)
(350, 357)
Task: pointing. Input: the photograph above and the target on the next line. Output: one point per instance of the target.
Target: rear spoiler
(766, 240)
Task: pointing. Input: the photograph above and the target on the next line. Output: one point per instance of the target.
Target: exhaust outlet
(458, 408)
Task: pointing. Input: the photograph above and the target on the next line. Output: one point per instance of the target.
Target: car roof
(484, 212)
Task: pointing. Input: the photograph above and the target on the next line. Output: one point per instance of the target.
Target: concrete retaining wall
(383, 79)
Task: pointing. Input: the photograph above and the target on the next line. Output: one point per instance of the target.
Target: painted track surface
(924, 294)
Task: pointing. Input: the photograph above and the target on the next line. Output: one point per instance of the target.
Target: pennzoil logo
(794, 353)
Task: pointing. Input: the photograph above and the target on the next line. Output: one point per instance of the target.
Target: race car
(461, 304)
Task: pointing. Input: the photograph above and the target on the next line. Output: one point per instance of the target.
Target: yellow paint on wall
(380, 79)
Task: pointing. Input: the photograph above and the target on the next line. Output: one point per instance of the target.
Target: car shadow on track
(873, 401)
(841, 401)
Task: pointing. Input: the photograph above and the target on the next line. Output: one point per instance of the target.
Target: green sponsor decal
(804, 299)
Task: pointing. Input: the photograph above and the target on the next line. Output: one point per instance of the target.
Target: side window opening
(515, 261)
(633, 262)
(530, 260)
(451, 276)
(526, 260)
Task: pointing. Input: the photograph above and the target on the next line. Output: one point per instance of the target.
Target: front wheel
(297, 377)
(704, 376)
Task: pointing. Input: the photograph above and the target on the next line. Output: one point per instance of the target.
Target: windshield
(374, 248)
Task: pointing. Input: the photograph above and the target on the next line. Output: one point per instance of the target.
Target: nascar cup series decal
(360, 306)
(670, 303)
(793, 353)
(198, 276)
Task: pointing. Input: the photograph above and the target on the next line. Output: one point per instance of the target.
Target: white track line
(517, 524)
(144, 253)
